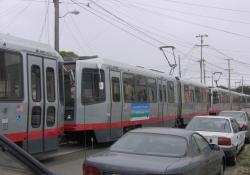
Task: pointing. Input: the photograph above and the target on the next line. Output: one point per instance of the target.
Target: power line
(80, 32)
(156, 32)
(127, 23)
(194, 14)
(207, 6)
(194, 23)
(114, 25)
(227, 56)
(44, 22)
(15, 17)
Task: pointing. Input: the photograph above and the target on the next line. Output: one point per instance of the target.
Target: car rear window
(151, 144)
(209, 124)
(238, 116)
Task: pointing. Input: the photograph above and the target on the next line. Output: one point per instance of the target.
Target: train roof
(185, 81)
(127, 67)
(8, 41)
(137, 69)
(226, 90)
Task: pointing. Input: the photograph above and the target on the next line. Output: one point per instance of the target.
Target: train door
(50, 107)
(116, 105)
(42, 105)
(160, 101)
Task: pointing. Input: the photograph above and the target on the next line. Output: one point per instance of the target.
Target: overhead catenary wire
(194, 23)
(44, 21)
(208, 6)
(190, 13)
(136, 28)
(16, 16)
(153, 30)
(114, 25)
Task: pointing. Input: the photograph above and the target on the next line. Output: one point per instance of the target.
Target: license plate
(212, 140)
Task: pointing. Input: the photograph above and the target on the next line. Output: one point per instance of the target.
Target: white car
(220, 130)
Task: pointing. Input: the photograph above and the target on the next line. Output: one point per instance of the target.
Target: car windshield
(9, 165)
(209, 124)
(151, 144)
(238, 116)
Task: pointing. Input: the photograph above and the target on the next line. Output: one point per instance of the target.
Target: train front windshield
(10, 76)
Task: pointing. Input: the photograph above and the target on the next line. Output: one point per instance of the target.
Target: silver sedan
(158, 151)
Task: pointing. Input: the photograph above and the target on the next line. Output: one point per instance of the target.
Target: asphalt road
(71, 162)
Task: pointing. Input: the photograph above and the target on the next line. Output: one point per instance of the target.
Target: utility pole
(204, 70)
(229, 79)
(56, 5)
(179, 62)
(212, 79)
(242, 84)
(229, 72)
(201, 45)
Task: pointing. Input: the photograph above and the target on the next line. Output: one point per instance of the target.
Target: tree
(246, 89)
(68, 54)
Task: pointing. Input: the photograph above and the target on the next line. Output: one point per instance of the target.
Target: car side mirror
(215, 147)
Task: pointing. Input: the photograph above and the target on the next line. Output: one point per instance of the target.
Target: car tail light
(224, 141)
(89, 170)
(244, 127)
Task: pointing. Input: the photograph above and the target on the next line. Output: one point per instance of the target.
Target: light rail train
(43, 97)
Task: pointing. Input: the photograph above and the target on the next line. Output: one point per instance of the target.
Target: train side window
(215, 97)
(116, 94)
(36, 117)
(11, 81)
(171, 96)
(164, 93)
(186, 94)
(199, 94)
(160, 93)
(141, 89)
(50, 121)
(50, 83)
(152, 90)
(36, 83)
(128, 87)
(191, 95)
(90, 91)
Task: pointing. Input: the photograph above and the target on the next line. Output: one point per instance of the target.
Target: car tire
(247, 140)
(233, 160)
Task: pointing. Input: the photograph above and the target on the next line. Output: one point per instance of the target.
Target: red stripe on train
(34, 135)
(94, 126)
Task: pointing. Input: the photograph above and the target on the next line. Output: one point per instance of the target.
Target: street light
(57, 17)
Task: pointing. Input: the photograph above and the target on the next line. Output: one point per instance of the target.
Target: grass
(243, 167)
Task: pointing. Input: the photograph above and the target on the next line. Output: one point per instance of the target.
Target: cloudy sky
(132, 31)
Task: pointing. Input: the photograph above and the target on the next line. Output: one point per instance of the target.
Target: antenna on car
(172, 66)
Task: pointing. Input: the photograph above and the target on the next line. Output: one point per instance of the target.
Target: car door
(210, 157)
(198, 163)
(239, 136)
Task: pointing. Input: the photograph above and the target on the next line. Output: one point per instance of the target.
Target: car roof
(213, 116)
(234, 111)
(167, 131)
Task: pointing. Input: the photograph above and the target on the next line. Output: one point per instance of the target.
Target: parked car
(221, 130)
(242, 118)
(14, 160)
(158, 151)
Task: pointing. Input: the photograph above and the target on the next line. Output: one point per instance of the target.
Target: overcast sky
(131, 31)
